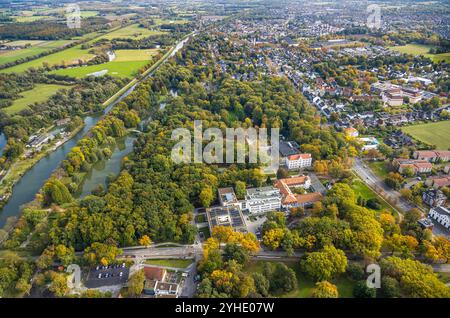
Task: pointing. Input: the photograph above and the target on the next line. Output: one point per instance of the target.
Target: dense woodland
(154, 198)
(49, 30)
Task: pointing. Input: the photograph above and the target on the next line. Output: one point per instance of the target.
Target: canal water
(2, 143)
(102, 169)
(33, 180)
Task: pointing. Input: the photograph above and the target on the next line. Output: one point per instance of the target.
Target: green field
(131, 32)
(305, 284)
(437, 134)
(40, 93)
(126, 64)
(74, 54)
(37, 47)
(177, 263)
(363, 191)
(24, 19)
(379, 168)
(69, 56)
(421, 49)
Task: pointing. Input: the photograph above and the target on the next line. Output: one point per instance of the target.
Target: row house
(419, 166)
(432, 155)
(440, 215)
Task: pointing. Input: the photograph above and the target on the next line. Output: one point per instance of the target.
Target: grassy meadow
(421, 49)
(40, 93)
(432, 133)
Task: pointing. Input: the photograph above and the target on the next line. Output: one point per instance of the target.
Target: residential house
(352, 132)
(440, 215)
(434, 197)
(418, 166)
(432, 155)
(438, 181)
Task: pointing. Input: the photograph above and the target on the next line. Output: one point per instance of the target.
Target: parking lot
(107, 276)
(255, 226)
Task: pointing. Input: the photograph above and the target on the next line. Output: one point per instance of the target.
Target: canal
(32, 181)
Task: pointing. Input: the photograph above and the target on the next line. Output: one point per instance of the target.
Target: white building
(261, 200)
(299, 161)
(369, 143)
(440, 215)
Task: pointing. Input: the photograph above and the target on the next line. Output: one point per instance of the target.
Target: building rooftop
(288, 148)
(226, 216)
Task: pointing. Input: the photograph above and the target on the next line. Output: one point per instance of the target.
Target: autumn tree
(325, 289)
(325, 264)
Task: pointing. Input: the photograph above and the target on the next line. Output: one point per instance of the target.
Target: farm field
(69, 56)
(126, 64)
(431, 133)
(24, 19)
(40, 93)
(420, 49)
(36, 48)
(131, 32)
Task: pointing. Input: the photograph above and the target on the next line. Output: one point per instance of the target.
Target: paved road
(373, 181)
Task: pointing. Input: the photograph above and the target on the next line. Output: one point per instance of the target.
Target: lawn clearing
(363, 191)
(131, 32)
(40, 93)
(421, 49)
(305, 284)
(379, 168)
(177, 263)
(437, 134)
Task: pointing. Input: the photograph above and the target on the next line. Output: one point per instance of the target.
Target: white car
(99, 276)
(121, 274)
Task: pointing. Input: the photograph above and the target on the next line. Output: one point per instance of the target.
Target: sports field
(126, 64)
(36, 48)
(40, 93)
(433, 133)
(420, 49)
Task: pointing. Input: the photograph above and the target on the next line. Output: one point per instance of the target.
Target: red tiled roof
(303, 156)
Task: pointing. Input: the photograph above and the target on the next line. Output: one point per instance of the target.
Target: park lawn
(379, 168)
(421, 49)
(363, 191)
(131, 32)
(177, 263)
(432, 133)
(37, 47)
(40, 93)
(305, 284)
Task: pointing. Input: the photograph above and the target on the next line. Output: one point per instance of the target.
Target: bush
(362, 291)
(355, 271)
